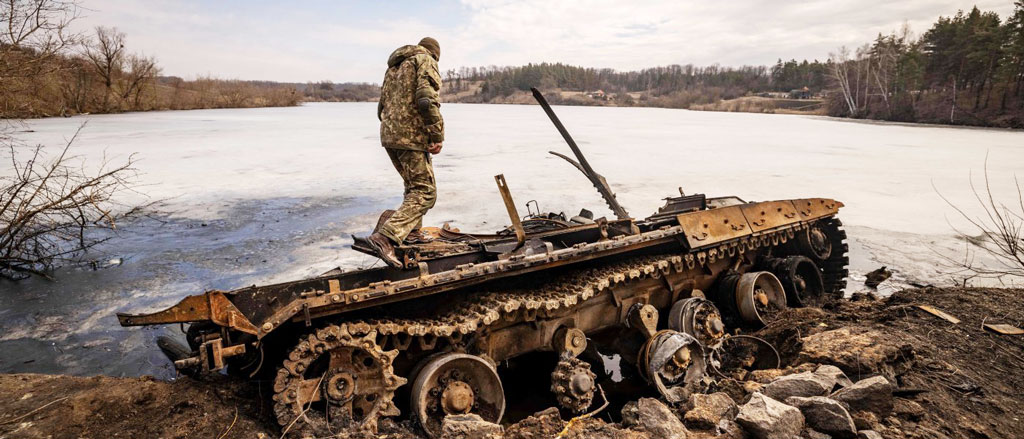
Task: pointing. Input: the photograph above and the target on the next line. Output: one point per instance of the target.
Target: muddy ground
(952, 381)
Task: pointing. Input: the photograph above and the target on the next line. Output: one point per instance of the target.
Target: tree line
(676, 86)
(48, 70)
(966, 69)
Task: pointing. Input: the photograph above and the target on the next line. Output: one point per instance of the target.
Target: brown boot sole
(388, 258)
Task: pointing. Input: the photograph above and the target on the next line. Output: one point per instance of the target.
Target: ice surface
(262, 195)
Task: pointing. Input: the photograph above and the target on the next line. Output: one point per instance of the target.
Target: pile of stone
(810, 403)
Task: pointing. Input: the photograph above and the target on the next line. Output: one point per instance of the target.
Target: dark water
(69, 325)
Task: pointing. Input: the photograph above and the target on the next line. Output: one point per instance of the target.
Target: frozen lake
(262, 195)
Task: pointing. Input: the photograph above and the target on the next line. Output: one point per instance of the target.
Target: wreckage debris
(1003, 328)
(874, 278)
(430, 339)
(938, 313)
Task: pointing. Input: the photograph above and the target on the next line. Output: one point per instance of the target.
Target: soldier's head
(432, 46)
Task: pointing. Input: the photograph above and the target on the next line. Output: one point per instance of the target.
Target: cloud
(351, 41)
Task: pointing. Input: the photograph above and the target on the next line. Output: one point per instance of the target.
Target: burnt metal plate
(769, 214)
(811, 208)
(709, 227)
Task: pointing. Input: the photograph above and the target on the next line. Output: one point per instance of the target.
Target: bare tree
(38, 26)
(50, 209)
(141, 70)
(999, 233)
(840, 63)
(106, 53)
(33, 34)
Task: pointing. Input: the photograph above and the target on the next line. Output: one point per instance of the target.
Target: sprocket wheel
(335, 380)
(573, 384)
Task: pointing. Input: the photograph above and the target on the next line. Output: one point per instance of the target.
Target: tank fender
(212, 306)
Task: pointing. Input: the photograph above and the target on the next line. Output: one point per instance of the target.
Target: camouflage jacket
(410, 108)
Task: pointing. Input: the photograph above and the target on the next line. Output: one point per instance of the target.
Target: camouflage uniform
(409, 111)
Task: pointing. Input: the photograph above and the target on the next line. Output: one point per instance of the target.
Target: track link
(479, 310)
(835, 269)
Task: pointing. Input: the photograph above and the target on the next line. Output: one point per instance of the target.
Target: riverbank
(471, 93)
(947, 380)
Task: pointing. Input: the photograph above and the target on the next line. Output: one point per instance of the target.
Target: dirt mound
(947, 381)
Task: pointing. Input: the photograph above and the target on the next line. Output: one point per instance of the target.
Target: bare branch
(1000, 228)
(51, 211)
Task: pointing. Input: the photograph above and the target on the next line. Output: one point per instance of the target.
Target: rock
(750, 387)
(825, 415)
(766, 418)
(765, 376)
(907, 409)
(857, 351)
(739, 391)
(833, 373)
(731, 430)
(868, 434)
(872, 394)
(653, 417)
(800, 384)
(469, 426)
(543, 424)
(706, 411)
(811, 433)
(864, 420)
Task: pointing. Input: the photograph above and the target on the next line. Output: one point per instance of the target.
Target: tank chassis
(344, 346)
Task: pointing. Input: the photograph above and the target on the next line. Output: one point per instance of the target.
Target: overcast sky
(350, 41)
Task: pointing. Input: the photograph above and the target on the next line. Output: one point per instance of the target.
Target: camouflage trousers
(420, 192)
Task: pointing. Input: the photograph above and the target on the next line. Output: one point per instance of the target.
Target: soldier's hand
(434, 148)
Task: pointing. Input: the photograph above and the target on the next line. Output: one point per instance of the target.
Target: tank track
(482, 309)
(834, 270)
(478, 310)
(289, 408)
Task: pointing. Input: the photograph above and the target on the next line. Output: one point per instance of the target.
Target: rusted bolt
(267, 327)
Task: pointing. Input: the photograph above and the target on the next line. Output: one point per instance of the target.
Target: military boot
(384, 248)
(418, 236)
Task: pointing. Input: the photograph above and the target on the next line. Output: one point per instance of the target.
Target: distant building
(599, 94)
(800, 93)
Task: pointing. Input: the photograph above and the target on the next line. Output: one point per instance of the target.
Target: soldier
(411, 129)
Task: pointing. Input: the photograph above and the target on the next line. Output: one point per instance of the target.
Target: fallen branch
(573, 421)
(225, 433)
(34, 411)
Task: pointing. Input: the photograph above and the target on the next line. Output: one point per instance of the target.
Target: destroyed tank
(347, 349)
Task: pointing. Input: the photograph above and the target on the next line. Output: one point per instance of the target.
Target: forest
(966, 69)
(672, 86)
